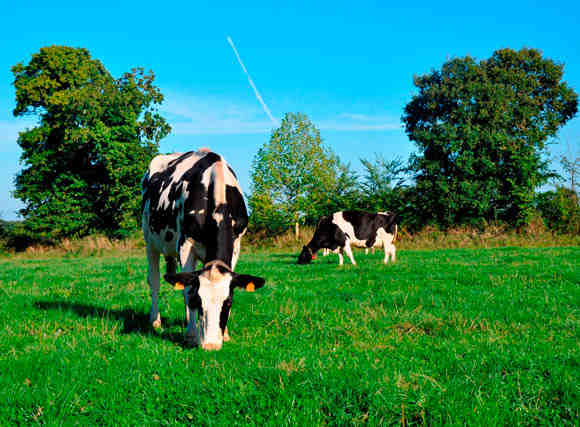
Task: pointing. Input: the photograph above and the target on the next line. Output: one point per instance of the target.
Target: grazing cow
(193, 210)
(352, 228)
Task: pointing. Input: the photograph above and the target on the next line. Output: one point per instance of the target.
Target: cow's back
(179, 193)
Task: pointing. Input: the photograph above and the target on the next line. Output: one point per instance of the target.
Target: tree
(96, 134)
(345, 195)
(571, 167)
(382, 183)
(481, 129)
(295, 177)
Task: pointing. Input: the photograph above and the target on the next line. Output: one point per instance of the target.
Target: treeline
(481, 129)
(301, 180)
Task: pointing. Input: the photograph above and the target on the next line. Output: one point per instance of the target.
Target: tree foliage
(560, 210)
(381, 185)
(95, 137)
(481, 129)
(571, 168)
(295, 177)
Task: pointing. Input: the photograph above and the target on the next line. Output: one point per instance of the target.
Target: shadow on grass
(134, 322)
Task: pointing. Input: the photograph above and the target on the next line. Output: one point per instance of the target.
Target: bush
(560, 210)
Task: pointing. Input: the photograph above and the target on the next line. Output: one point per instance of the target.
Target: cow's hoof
(227, 337)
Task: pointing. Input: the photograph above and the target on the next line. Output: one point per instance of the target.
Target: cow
(193, 210)
(342, 230)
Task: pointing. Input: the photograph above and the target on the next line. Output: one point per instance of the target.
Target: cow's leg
(191, 332)
(188, 262)
(154, 285)
(348, 251)
(367, 251)
(340, 259)
(389, 251)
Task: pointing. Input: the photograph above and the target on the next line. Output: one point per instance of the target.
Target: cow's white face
(214, 298)
(210, 295)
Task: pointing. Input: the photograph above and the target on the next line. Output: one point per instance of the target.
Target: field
(477, 336)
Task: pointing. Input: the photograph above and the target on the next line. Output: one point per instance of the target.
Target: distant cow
(352, 228)
(193, 210)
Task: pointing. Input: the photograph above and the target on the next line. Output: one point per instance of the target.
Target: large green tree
(295, 177)
(95, 135)
(482, 129)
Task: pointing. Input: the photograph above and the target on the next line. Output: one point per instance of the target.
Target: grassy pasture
(482, 336)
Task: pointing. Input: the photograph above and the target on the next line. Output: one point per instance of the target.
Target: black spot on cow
(225, 312)
(237, 207)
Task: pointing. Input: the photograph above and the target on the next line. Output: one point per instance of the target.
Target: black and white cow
(342, 230)
(193, 210)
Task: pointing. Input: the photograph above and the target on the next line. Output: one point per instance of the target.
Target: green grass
(484, 337)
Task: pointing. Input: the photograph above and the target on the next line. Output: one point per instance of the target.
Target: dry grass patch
(292, 366)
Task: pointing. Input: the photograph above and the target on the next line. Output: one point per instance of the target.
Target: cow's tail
(396, 231)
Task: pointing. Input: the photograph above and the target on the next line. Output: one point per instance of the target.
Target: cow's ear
(182, 280)
(248, 282)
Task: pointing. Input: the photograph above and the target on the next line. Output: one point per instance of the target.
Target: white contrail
(266, 109)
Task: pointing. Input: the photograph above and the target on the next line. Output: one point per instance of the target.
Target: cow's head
(211, 292)
(305, 256)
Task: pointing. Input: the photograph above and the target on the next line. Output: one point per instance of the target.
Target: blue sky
(347, 65)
